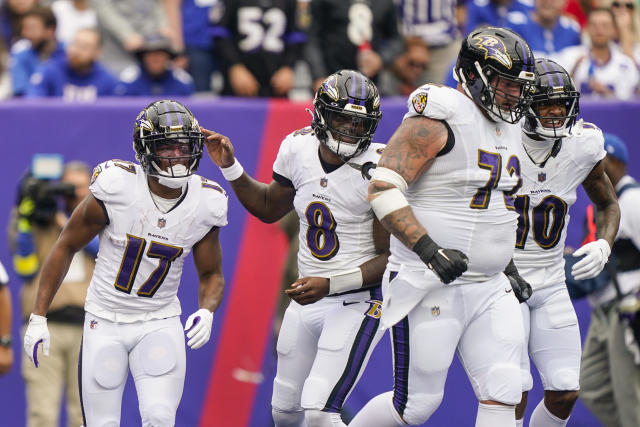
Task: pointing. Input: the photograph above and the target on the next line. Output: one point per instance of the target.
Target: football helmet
(553, 86)
(490, 61)
(161, 125)
(346, 113)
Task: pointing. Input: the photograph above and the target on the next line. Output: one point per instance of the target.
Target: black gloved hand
(521, 288)
(448, 264)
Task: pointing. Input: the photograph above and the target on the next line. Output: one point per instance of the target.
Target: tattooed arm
(410, 152)
(601, 192)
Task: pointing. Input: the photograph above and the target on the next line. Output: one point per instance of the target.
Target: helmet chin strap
(179, 180)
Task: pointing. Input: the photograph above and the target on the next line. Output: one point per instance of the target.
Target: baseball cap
(615, 147)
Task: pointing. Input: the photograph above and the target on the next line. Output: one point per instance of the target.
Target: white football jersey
(461, 199)
(336, 220)
(544, 200)
(142, 250)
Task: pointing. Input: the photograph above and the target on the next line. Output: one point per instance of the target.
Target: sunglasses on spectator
(629, 6)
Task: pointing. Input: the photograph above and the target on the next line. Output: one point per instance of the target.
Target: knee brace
(564, 380)
(420, 407)
(158, 416)
(503, 383)
(318, 418)
(287, 418)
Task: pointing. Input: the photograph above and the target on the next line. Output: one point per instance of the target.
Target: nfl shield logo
(542, 177)
(435, 311)
(323, 182)
(93, 324)
(162, 222)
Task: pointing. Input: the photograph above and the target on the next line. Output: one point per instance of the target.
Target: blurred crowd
(83, 49)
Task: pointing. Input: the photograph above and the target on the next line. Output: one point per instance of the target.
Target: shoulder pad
(433, 101)
(214, 201)
(112, 181)
(591, 142)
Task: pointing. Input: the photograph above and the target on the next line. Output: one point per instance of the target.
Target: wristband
(233, 172)
(349, 280)
(388, 201)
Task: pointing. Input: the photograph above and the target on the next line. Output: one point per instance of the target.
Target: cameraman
(36, 224)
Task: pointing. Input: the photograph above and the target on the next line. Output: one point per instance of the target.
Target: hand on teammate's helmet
(448, 264)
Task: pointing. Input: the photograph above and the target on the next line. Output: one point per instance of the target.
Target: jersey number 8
(322, 239)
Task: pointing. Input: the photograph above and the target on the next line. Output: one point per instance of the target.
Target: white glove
(37, 332)
(198, 327)
(596, 256)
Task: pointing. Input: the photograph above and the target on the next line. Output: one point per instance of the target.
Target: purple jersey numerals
(493, 163)
(547, 218)
(132, 258)
(322, 239)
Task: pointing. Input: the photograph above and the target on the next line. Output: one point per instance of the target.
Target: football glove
(198, 327)
(521, 288)
(37, 332)
(596, 254)
(448, 264)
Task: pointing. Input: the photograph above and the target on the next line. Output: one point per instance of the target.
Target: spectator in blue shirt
(197, 34)
(546, 30)
(156, 76)
(36, 47)
(496, 13)
(78, 76)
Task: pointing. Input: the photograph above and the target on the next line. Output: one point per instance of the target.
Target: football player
(331, 325)
(149, 217)
(561, 154)
(443, 189)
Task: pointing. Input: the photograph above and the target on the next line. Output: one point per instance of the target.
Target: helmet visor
(350, 127)
(511, 96)
(174, 148)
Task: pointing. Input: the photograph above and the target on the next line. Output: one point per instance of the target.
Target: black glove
(448, 264)
(521, 288)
